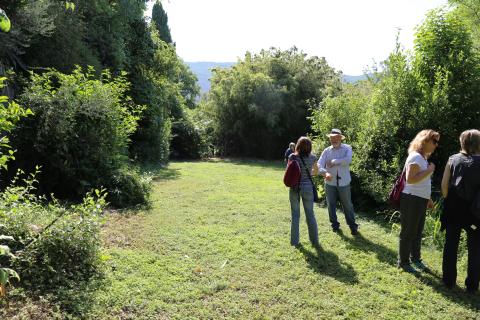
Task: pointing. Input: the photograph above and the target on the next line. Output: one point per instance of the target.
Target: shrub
(79, 134)
(128, 186)
(55, 243)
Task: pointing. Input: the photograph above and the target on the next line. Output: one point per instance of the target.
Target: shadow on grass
(160, 172)
(276, 165)
(359, 242)
(456, 294)
(327, 263)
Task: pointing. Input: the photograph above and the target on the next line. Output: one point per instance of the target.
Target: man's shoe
(336, 229)
(354, 232)
(420, 266)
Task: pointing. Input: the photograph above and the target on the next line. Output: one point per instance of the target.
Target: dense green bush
(186, 140)
(54, 244)
(79, 134)
(262, 103)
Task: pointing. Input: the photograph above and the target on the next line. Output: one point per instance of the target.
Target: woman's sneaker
(408, 268)
(420, 266)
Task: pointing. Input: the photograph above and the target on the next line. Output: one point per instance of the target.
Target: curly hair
(421, 138)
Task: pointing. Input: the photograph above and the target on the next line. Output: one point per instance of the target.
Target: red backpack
(291, 178)
(396, 192)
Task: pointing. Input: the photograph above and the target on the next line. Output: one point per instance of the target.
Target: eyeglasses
(435, 141)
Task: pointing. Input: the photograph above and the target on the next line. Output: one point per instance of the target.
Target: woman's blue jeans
(306, 194)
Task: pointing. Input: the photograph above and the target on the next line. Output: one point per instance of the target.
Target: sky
(352, 35)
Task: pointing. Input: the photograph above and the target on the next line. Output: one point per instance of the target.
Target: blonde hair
(470, 141)
(421, 138)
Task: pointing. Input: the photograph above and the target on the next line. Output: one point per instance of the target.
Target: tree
(160, 19)
(264, 101)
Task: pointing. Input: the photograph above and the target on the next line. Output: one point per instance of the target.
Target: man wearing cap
(334, 165)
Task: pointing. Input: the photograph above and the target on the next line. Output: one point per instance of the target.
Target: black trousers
(450, 251)
(412, 220)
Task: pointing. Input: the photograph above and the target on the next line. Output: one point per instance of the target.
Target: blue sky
(351, 34)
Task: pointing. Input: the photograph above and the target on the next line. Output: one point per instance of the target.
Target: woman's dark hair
(304, 146)
(470, 141)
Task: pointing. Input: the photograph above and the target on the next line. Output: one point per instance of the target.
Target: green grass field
(215, 245)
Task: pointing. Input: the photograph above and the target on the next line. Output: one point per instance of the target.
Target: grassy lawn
(215, 245)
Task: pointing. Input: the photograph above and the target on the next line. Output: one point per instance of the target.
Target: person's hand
(431, 167)
(430, 204)
(328, 177)
(329, 164)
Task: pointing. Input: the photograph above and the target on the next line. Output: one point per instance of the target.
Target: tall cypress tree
(160, 18)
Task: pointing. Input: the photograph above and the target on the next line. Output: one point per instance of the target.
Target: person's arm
(345, 161)
(314, 169)
(322, 170)
(322, 163)
(414, 174)
(446, 180)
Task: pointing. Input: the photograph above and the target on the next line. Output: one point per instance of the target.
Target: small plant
(432, 229)
(6, 273)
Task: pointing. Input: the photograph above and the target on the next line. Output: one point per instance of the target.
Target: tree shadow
(327, 263)
(160, 172)
(276, 165)
(359, 242)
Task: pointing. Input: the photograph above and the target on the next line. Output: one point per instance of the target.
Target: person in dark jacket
(289, 151)
(460, 183)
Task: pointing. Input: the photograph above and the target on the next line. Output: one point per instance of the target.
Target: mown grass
(215, 245)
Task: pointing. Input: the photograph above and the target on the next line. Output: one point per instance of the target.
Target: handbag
(314, 188)
(396, 192)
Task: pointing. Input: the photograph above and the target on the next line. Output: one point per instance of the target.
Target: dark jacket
(463, 186)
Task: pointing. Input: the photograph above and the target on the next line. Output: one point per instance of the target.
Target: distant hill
(353, 79)
(203, 72)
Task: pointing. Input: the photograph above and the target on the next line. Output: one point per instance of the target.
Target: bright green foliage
(263, 102)
(57, 246)
(469, 12)
(160, 19)
(4, 22)
(10, 114)
(436, 87)
(79, 134)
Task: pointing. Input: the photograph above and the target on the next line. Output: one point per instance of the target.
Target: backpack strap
(306, 169)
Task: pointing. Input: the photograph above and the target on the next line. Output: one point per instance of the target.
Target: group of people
(460, 185)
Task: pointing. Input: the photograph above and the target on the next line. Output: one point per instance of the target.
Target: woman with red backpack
(415, 199)
(303, 190)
